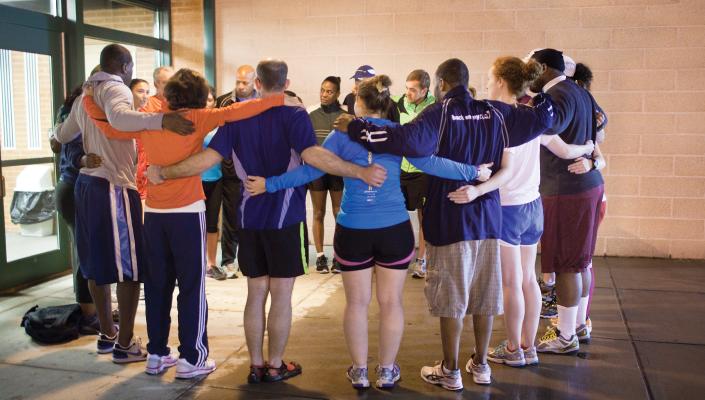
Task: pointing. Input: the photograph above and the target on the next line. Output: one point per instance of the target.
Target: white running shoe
(129, 354)
(156, 364)
(186, 370)
(419, 269)
(436, 376)
(481, 373)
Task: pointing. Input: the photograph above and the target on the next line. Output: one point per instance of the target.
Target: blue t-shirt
(363, 206)
(268, 144)
(214, 173)
(465, 130)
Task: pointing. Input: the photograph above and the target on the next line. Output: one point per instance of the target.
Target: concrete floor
(648, 343)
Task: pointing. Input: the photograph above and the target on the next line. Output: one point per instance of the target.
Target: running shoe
(157, 364)
(546, 290)
(588, 324)
(186, 370)
(358, 377)
(335, 267)
(481, 373)
(436, 376)
(553, 342)
(502, 355)
(283, 372)
(530, 355)
(583, 334)
(89, 325)
(388, 377)
(216, 273)
(129, 354)
(322, 264)
(230, 271)
(419, 269)
(549, 309)
(256, 374)
(106, 343)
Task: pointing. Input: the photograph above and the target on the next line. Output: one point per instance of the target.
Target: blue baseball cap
(364, 72)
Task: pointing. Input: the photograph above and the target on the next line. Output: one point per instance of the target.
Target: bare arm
(561, 149)
(69, 129)
(325, 160)
(468, 193)
(191, 166)
(584, 165)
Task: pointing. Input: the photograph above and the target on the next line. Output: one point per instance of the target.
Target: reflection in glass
(42, 6)
(146, 60)
(119, 15)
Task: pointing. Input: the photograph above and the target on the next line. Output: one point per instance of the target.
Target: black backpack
(56, 324)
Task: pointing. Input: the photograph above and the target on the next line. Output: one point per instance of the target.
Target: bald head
(117, 60)
(245, 85)
(161, 76)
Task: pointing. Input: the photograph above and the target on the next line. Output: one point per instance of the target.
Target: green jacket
(407, 112)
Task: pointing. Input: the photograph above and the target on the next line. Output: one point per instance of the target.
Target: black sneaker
(322, 264)
(283, 372)
(335, 268)
(89, 325)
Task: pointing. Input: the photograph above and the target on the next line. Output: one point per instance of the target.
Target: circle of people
(143, 180)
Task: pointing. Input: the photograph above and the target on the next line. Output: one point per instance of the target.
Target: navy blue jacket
(466, 130)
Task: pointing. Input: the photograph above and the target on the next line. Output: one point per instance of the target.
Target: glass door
(32, 241)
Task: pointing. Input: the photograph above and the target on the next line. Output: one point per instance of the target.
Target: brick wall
(648, 57)
(187, 34)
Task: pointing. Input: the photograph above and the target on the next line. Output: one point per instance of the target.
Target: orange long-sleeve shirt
(163, 147)
(154, 104)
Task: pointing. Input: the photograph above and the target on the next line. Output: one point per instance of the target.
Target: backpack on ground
(55, 324)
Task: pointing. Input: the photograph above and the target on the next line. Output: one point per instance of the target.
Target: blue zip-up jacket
(466, 130)
(363, 206)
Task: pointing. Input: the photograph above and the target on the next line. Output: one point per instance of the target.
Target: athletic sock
(566, 318)
(320, 254)
(582, 311)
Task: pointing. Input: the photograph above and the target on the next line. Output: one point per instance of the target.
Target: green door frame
(40, 34)
(45, 34)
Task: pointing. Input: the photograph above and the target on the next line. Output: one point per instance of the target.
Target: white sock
(566, 318)
(320, 254)
(582, 311)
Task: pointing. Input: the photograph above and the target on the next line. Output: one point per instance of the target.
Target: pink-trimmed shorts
(391, 247)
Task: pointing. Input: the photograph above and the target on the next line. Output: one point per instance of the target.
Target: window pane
(115, 14)
(146, 60)
(42, 6)
(26, 109)
(30, 211)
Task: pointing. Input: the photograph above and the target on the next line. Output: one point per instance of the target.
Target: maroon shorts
(570, 230)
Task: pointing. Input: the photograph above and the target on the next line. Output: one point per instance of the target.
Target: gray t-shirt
(119, 157)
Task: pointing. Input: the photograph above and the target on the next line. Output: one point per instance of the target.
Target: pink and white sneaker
(157, 364)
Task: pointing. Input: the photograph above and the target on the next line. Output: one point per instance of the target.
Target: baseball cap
(364, 72)
(569, 70)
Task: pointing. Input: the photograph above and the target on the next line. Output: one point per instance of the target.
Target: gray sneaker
(553, 342)
(502, 355)
(216, 273)
(388, 377)
(583, 334)
(230, 271)
(419, 269)
(358, 377)
(530, 356)
(481, 373)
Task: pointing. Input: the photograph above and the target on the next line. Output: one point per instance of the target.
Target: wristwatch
(595, 163)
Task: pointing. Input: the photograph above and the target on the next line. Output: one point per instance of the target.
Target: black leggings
(214, 197)
(66, 206)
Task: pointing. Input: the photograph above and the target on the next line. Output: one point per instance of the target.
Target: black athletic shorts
(278, 253)
(214, 197)
(414, 186)
(327, 182)
(390, 247)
